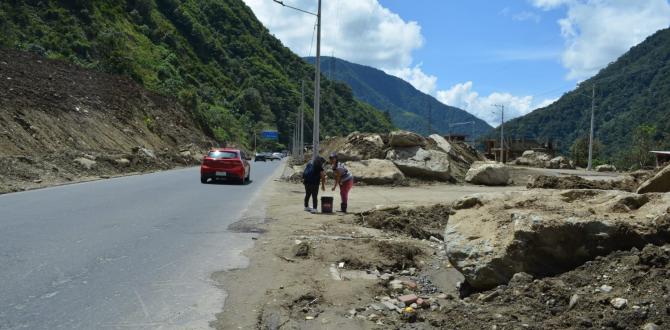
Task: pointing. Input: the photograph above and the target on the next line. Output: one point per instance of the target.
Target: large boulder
(548, 232)
(605, 168)
(534, 159)
(356, 146)
(404, 139)
(560, 162)
(416, 162)
(375, 171)
(488, 174)
(658, 183)
(438, 142)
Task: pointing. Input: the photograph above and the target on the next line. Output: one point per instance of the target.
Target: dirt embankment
(61, 123)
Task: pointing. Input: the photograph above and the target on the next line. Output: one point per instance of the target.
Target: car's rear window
(222, 154)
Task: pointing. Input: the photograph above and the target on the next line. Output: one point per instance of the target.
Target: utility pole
(295, 136)
(302, 121)
(593, 106)
(317, 75)
(502, 134)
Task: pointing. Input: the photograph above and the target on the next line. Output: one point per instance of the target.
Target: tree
(580, 150)
(251, 103)
(642, 143)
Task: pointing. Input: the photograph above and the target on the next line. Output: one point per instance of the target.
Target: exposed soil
(420, 222)
(576, 182)
(53, 114)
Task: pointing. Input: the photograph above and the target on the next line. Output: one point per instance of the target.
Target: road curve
(127, 253)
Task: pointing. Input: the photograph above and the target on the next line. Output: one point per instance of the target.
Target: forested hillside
(632, 114)
(408, 107)
(212, 55)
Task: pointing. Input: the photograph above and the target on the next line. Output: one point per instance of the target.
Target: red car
(226, 163)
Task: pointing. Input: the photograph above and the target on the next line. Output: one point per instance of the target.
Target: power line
(311, 44)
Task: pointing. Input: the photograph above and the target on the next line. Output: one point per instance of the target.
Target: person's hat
(333, 155)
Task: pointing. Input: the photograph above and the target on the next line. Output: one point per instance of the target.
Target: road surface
(127, 253)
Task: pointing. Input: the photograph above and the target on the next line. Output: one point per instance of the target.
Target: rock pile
(543, 160)
(413, 156)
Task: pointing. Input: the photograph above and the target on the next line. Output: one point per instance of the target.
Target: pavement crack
(144, 307)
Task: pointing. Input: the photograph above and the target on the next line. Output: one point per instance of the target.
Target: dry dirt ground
(363, 271)
(309, 271)
(61, 123)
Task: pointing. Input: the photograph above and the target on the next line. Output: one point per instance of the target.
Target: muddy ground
(61, 123)
(363, 271)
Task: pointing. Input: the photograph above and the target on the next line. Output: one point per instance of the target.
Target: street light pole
(317, 75)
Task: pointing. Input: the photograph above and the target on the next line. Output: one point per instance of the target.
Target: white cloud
(527, 16)
(549, 4)
(521, 16)
(463, 96)
(361, 31)
(597, 32)
(415, 76)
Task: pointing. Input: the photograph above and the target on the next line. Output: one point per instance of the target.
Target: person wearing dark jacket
(313, 175)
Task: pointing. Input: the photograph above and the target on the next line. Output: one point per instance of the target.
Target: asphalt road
(127, 253)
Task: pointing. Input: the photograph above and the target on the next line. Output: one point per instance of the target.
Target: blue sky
(506, 46)
(474, 53)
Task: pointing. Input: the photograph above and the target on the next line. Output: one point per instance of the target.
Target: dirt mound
(53, 114)
(576, 182)
(421, 222)
(582, 298)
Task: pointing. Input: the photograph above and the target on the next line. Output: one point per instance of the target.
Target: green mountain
(409, 108)
(632, 99)
(213, 55)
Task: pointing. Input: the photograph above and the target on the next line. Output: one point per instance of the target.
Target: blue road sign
(271, 135)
